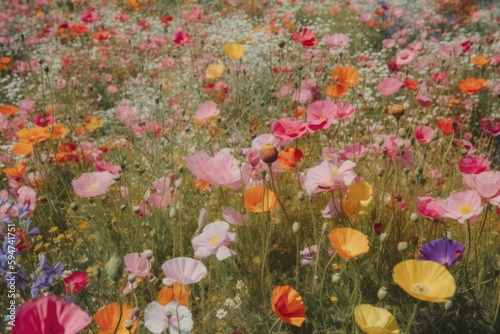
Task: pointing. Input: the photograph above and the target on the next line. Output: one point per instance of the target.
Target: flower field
(253, 166)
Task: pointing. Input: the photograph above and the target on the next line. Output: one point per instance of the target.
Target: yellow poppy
(214, 71)
(234, 51)
(375, 320)
(348, 242)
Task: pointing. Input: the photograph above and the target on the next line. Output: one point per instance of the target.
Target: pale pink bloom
(404, 57)
(202, 217)
(430, 207)
(336, 41)
(162, 184)
(206, 112)
(27, 106)
(332, 210)
(495, 59)
(178, 319)
(354, 151)
(253, 157)
(27, 196)
(329, 177)
(289, 128)
(345, 110)
(161, 199)
(50, 314)
(102, 166)
(464, 205)
(308, 92)
(391, 149)
(320, 115)
(137, 265)
(365, 17)
(308, 255)
(267, 138)
(184, 270)
(389, 86)
(232, 216)
(423, 134)
(486, 184)
(126, 115)
(214, 240)
(473, 164)
(221, 170)
(388, 43)
(111, 89)
(422, 99)
(92, 184)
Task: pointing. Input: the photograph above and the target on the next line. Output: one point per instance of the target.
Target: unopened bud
(382, 293)
(178, 183)
(173, 212)
(380, 141)
(300, 195)
(396, 110)
(148, 254)
(383, 236)
(268, 153)
(136, 209)
(448, 304)
(336, 278)
(406, 170)
(435, 135)
(401, 145)
(425, 121)
(117, 177)
(418, 170)
(414, 217)
(123, 207)
(380, 171)
(448, 235)
(402, 246)
(464, 151)
(127, 291)
(73, 206)
(114, 268)
(295, 227)
(131, 278)
(402, 132)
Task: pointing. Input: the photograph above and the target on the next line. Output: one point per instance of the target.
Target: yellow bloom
(234, 51)
(348, 242)
(358, 194)
(375, 320)
(214, 71)
(95, 123)
(425, 280)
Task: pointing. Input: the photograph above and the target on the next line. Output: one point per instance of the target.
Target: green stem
(412, 318)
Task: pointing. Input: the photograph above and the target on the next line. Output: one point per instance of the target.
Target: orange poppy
(4, 63)
(288, 305)
(260, 199)
(22, 148)
(80, 28)
(8, 109)
(100, 36)
(299, 112)
(17, 171)
(202, 185)
(111, 319)
(178, 293)
(471, 86)
(58, 131)
(345, 76)
(448, 126)
(480, 60)
(288, 159)
(336, 91)
(348, 242)
(34, 134)
(132, 3)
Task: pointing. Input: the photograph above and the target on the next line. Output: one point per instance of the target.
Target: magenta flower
(305, 37)
(320, 115)
(75, 282)
(329, 177)
(181, 38)
(389, 86)
(486, 184)
(92, 184)
(214, 240)
(472, 164)
(50, 314)
(423, 134)
(162, 197)
(102, 166)
(490, 125)
(464, 205)
(184, 270)
(289, 128)
(137, 265)
(430, 207)
(221, 170)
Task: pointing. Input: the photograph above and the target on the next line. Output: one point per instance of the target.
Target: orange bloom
(288, 159)
(299, 112)
(58, 131)
(336, 91)
(348, 242)
(448, 126)
(8, 109)
(80, 28)
(17, 171)
(4, 63)
(260, 199)
(178, 293)
(480, 60)
(131, 3)
(101, 36)
(34, 134)
(79, 130)
(22, 148)
(471, 86)
(111, 318)
(288, 305)
(345, 76)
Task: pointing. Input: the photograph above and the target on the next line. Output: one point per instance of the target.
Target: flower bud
(295, 227)
(148, 254)
(435, 135)
(268, 153)
(178, 183)
(382, 293)
(383, 236)
(401, 145)
(117, 177)
(464, 151)
(123, 207)
(449, 235)
(418, 170)
(136, 209)
(414, 217)
(73, 206)
(128, 324)
(406, 170)
(402, 246)
(114, 268)
(127, 291)
(380, 171)
(425, 121)
(336, 278)
(173, 212)
(448, 304)
(380, 141)
(131, 278)
(396, 110)
(300, 195)
(402, 132)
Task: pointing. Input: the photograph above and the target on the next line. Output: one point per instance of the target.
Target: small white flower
(221, 313)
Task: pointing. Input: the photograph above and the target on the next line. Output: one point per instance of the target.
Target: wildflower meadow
(249, 167)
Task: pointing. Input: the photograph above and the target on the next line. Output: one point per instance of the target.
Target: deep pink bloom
(92, 184)
(289, 128)
(181, 38)
(305, 37)
(206, 112)
(473, 164)
(221, 170)
(430, 207)
(43, 121)
(466, 46)
(393, 66)
(423, 134)
(184, 270)
(48, 315)
(329, 177)
(336, 41)
(486, 184)
(75, 282)
(102, 166)
(320, 115)
(490, 125)
(389, 86)
(404, 57)
(345, 110)
(214, 240)
(89, 16)
(136, 264)
(464, 205)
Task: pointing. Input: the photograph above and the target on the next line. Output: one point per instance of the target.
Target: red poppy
(75, 282)
(410, 84)
(448, 126)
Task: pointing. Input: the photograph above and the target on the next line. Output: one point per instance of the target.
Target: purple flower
(442, 251)
(308, 255)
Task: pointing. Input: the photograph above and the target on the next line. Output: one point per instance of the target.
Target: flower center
(335, 171)
(93, 187)
(420, 288)
(465, 209)
(214, 241)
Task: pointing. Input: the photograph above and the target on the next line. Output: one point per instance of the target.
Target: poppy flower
(486, 184)
(345, 76)
(464, 205)
(288, 159)
(481, 61)
(320, 115)
(260, 199)
(448, 126)
(34, 134)
(111, 319)
(490, 125)
(92, 184)
(287, 304)
(410, 84)
(375, 320)
(214, 71)
(425, 280)
(136, 264)
(8, 109)
(75, 282)
(214, 241)
(58, 131)
(4, 63)
(234, 51)
(305, 37)
(336, 91)
(473, 164)
(184, 270)
(50, 314)
(358, 194)
(232, 216)
(17, 171)
(181, 38)
(178, 319)
(178, 292)
(206, 112)
(443, 251)
(348, 242)
(22, 148)
(471, 86)
(389, 86)
(289, 128)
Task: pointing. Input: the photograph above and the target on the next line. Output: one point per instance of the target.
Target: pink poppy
(89, 16)
(308, 255)
(92, 184)
(202, 217)
(137, 265)
(490, 125)
(355, 151)
(423, 134)
(320, 115)
(267, 138)
(50, 314)
(43, 120)
(184, 270)
(177, 318)
(27, 196)
(127, 115)
(329, 177)
(289, 128)
(473, 164)
(391, 149)
(388, 43)
(232, 216)
(221, 170)
(345, 110)
(181, 38)
(486, 184)
(102, 166)
(464, 205)
(422, 99)
(389, 86)
(75, 282)
(404, 57)
(214, 240)
(206, 112)
(336, 41)
(305, 37)
(430, 207)
(365, 17)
